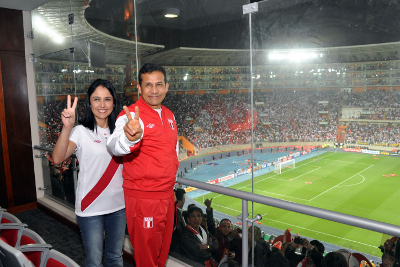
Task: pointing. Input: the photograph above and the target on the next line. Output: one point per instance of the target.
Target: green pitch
(344, 182)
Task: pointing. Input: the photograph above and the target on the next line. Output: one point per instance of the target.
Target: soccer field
(358, 184)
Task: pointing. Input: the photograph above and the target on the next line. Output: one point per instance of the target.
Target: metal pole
(252, 132)
(74, 173)
(334, 216)
(245, 234)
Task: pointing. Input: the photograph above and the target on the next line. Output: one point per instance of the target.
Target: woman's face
(101, 103)
(387, 260)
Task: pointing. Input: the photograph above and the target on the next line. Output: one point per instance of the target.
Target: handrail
(74, 166)
(368, 224)
(42, 148)
(49, 150)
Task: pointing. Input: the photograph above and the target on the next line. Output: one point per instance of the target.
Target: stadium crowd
(369, 99)
(373, 133)
(282, 116)
(201, 240)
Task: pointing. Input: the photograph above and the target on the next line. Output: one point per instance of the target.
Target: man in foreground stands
(149, 143)
(180, 222)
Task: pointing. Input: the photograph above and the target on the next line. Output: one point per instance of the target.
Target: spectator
(210, 216)
(180, 222)
(278, 259)
(312, 253)
(334, 259)
(388, 252)
(196, 243)
(226, 246)
(261, 248)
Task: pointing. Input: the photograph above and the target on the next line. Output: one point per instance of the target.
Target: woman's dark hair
(89, 120)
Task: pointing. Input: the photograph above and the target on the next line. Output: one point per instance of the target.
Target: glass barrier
(59, 179)
(274, 102)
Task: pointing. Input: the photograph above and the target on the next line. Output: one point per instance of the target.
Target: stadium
(288, 102)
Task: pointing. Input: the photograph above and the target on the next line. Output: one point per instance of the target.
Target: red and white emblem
(171, 124)
(148, 222)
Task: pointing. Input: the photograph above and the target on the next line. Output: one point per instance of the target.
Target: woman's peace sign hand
(68, 114)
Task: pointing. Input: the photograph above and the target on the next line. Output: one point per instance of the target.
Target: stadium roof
(184, 56)
(119, 49)
(81, 32)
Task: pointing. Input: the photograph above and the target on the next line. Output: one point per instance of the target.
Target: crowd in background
(373, 133)
(282, 116)
(369, 99)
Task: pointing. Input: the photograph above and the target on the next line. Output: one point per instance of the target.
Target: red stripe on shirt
(102, 183)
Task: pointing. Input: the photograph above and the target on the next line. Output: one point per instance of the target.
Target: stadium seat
(57, 259)
(6, 217)
(18, 235)
(21, 235)
(11, 256)
(12, 232)
(33, 255)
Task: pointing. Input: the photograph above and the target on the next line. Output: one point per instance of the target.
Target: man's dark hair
(89, 120)
(149, 68)
(179, 192)
(191, 206)
(224, 220)
(191, 210)
(320, 247)
(334, 259)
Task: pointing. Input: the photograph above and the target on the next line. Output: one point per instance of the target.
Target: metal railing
(368, 224)
(73, 162)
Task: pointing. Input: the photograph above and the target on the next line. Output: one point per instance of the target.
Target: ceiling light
(171, 12)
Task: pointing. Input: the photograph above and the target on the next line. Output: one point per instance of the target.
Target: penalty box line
(301, 164)
(340, 183)
(318, 232)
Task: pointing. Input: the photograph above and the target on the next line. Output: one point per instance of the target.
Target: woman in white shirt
(99, 201)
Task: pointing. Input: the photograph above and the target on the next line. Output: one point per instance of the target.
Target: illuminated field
(344, 182)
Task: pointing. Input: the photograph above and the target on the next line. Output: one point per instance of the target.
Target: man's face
(204, 222)
(194, 219)
(153, 88)
(181, 202)
(225, 227)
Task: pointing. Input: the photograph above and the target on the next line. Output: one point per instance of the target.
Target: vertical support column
(75, 173)
(245, 234)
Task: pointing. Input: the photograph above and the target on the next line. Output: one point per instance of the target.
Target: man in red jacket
(149, 143)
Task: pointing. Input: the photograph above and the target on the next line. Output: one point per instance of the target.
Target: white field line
(304, 164)
(303, 174)
(280, 194)
(350, 162)
(321, 233)
(285, 172)
(355, 184)
(226, 207)
(340, 183)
